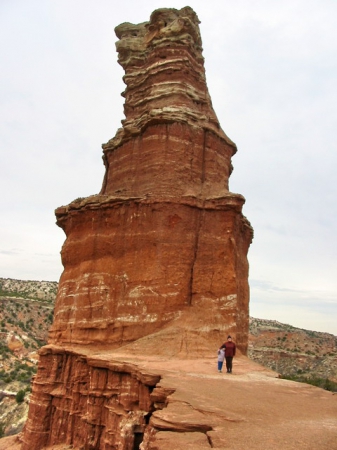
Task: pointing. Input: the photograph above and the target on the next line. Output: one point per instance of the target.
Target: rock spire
(165, 237)
(156, 263)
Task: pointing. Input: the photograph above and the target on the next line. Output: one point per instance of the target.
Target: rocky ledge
(151, 403)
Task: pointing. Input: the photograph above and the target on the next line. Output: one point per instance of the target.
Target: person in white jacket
(221, 357)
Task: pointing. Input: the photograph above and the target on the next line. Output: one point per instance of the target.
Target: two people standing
(226, 351)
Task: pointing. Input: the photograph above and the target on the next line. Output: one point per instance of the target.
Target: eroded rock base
(193, 406)
(89, 403)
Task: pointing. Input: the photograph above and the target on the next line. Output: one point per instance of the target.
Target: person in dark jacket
(230, 349)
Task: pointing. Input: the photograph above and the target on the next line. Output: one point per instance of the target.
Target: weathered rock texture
(158, 257)
(194, 407)
(165, 237)
(89, 402)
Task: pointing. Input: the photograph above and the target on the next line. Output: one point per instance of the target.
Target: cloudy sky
(271, 69)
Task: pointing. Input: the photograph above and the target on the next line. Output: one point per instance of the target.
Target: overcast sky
(271, 69)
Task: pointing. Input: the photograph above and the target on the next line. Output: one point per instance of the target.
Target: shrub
(20, 396)
(323, 383)
(4, 349)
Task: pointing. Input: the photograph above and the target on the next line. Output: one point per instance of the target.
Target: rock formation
(158, 257)
(249, 409)
(165, 234)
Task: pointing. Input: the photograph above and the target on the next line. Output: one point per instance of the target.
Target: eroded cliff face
(89, 402)
(156, 261)
(194, 407)
(165, 235)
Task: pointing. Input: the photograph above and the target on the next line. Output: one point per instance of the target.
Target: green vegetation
(4, 350)
(20, 396)
(20, 372)
(323, 383)
(41, 291)
(50, 317)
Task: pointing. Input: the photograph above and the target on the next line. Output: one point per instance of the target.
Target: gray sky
(271, 69)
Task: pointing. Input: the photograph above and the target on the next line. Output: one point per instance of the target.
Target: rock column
(165, 238)
(157, 259)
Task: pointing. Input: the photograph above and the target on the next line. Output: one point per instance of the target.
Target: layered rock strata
(165, 234)
(89, 402)
(247, 409)
(159, 254)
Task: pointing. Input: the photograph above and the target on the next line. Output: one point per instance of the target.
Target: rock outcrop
(165, 237)
(96, 403)
(156, 262)
(194, 407)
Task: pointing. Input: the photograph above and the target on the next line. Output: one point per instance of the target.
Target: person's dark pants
(220, 363)
(229, 363)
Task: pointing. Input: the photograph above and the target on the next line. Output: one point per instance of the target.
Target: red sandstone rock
(157, 262)
(165, 235)
(251, 408)
(80, 399)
